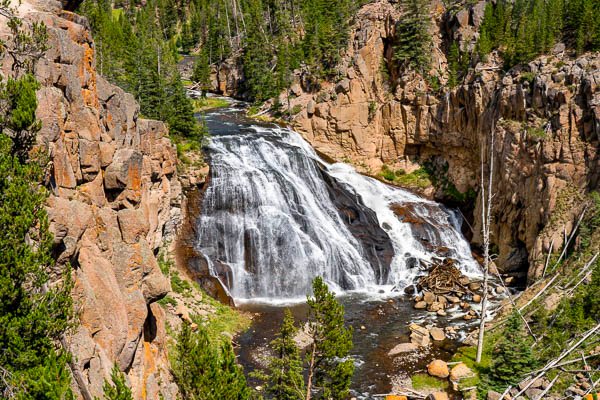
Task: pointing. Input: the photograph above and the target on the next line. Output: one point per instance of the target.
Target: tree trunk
(486, 219)
(311, 370)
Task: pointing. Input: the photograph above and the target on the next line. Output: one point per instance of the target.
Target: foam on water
(268, 220)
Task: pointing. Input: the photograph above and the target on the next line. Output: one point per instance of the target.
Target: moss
(296, 109)
(424, 381)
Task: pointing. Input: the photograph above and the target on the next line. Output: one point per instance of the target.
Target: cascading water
(274, 216)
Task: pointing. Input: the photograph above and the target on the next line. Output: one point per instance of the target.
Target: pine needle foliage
(512, 356)
(117, 389)
(412, 44)
(204, 372)
(328, 357)
(285, 380)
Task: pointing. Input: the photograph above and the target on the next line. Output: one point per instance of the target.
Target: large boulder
(438, 368)
(460, 371)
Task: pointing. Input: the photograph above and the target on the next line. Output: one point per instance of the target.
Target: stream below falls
(274, 215)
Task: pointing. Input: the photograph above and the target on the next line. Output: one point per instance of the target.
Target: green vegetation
(512, 356)
(208, 103)
(327, 365)
(284, 378)
(413, 44)
(425, 381)
(117, 389)
(419, 178)
(137, 51)
(527, 28)
(204, 371)
(35, 310)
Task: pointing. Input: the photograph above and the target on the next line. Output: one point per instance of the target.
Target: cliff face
(114, 197)
(544, 117)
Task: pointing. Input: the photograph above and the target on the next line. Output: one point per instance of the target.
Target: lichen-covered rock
(114, 188)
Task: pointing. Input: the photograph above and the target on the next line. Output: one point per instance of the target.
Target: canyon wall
(115, 199)
(544, 118)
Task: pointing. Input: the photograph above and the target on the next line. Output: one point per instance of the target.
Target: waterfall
(274, 215)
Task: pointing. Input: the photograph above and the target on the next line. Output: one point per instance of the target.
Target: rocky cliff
(544, 118)
(115, 199)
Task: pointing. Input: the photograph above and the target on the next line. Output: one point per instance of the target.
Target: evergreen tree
(453, 64)
(329, 367)
(285, 380)
(513, 356)
(202, 372)
(118, 389)
(34, 310)
(201, 73)
(412, 47)
(19, 102)
(32, 315)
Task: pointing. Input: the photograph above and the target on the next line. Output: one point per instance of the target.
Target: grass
(209, 103)
(424, 381)
(419, 178)
(224, 319)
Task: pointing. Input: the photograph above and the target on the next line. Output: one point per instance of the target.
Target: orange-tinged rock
(395, 397)
(438, 368)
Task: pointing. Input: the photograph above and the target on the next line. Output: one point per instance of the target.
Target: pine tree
(118, 389)
(513, 356)
(330, 368)
(32, 317)
(202, 373)
(285, 380)
(201, 73)
(453, 64)
(412, 47)
(18, 99)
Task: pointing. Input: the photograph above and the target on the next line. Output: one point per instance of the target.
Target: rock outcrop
(114, 190)
(544, 118)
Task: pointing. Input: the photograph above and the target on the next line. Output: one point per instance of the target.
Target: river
(275, 215)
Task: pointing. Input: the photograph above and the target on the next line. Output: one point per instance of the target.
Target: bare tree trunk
(311, 370)
(486, 219)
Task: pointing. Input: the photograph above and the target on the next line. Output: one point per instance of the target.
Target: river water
(275, 215)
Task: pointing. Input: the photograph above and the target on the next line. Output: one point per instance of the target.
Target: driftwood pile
(445, 278)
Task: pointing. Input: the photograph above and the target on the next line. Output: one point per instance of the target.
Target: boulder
(420, 305)
(474, 286)
(460, 371)
(403, 348)
(492, 395)
(419, 335)
(437, 396)
(438, 368)
(533, 393)
(437, 334)
(124, 171)
(133, 225)
(395, 397)
(477, 298)
(428, 297)
(310, 107)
